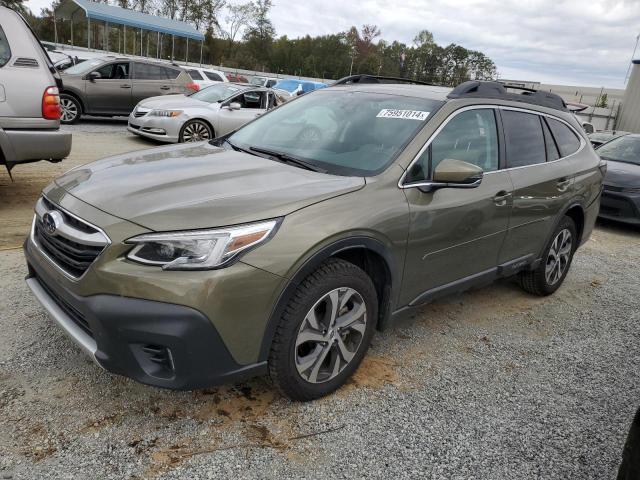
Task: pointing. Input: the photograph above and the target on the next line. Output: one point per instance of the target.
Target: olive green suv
(278, 249)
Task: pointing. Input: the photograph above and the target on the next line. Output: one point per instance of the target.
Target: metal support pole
(88, 33)
(71, 20)
(55, 29)
(201, 44)
(158, 46)
(134, 42)
(124, 40)
(173, 45)
(186, 56)
(141, 44)
(147, 44)
(107, 35)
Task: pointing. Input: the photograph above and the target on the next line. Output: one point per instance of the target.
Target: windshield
(216, 93)
(257, 81)
(85, 67)
(622, 149)
(341, 131)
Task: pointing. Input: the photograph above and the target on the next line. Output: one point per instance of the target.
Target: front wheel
(195, 131)
(70, 109)
(324, 332)
(556, 260)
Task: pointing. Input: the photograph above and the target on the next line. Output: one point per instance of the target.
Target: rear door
(456, 233)
(542, 182)
(151, 80)
(253, 104)
(111, 93)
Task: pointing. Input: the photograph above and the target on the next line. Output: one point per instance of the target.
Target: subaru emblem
(51, 221)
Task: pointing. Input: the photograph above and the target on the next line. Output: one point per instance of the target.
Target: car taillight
(51, 104)
(193, 86)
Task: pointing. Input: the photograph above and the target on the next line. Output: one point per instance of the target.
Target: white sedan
(209, 113)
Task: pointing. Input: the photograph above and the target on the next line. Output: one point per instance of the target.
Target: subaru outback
(278, 249)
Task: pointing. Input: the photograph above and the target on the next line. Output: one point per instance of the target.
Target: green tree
(17, 5)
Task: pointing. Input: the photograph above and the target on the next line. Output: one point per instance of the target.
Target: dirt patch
(374, 372)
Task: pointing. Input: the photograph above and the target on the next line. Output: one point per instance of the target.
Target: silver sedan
(209, 113)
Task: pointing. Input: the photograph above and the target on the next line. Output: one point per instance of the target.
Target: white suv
(205, 76)
(29, 97)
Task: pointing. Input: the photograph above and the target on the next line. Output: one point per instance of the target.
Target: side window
(552, 149)
(171, 73)
(213, 76)
(524, 139)
(5, 51)
(195, 75)
(114, 71)
(250, 99)
(470, 136)
(567, 141)
(147, 71)
(271, 83)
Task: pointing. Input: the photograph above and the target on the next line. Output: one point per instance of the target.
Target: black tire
(333, 275)
(198, 128)
(71, 109)
(537, 281)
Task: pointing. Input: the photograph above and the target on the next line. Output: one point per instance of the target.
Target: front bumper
(155, 343)
(29, 145)
(157, 128)
(620, 206)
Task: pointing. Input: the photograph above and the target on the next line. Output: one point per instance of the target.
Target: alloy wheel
(68, 110)
(559, 256)
(196, 132)
(330, 335)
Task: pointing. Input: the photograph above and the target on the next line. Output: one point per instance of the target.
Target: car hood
(182, 187)
(172, 101)
(622, 174)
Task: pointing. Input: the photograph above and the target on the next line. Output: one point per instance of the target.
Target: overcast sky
(574, 42)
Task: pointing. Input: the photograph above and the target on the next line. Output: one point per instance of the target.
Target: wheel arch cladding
(366, 253)
(576, 213)
(76, 97)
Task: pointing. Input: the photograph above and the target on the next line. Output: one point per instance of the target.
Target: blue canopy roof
(130, 18)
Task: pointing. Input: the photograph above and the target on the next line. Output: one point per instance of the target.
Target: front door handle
(500, 199)
(563, 184)
(165, 87)
(125, 85)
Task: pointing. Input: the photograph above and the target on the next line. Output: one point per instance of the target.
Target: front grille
(74, 246)
(135, 127)
(73, 313)
(140, 112)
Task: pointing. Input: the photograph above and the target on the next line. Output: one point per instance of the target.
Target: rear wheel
(324, 331)
(70, 109)
(556, 261)
(195, 131)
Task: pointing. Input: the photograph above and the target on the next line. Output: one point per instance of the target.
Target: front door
(543, 182)
(252, 105)
(456, 233)
(111, 92)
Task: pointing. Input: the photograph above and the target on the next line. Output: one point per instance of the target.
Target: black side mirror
(93, 76)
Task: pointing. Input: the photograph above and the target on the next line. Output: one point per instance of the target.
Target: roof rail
(366, 78)
(497, 90)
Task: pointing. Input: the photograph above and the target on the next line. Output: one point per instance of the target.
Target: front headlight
(165, 113)
(199, 249)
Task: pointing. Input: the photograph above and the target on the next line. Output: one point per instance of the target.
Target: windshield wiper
(239, 149)
(286, 158)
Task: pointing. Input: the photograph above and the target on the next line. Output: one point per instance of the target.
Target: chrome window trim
(44, 254)
(429, 183)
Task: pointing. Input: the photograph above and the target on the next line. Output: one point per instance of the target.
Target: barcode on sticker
(403, 114)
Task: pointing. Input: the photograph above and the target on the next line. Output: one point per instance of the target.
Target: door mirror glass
(588, 127)
(456, 173)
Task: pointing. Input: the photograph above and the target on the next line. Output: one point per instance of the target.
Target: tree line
(240, 34)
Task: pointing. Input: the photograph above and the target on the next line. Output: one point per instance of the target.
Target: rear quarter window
(5, 51)
(195, 75)
(567, 141)
(213, 76)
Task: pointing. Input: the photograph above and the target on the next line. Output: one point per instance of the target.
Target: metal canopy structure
(114, 16)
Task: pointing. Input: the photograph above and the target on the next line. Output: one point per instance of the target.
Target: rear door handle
(165, 87)
(563, 184)
(501, 198)
(125, 85)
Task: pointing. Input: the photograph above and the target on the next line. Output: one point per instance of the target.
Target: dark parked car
(600, 138)
(621, 196)
(110, 86)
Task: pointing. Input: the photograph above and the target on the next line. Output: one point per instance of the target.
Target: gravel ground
(490, 384)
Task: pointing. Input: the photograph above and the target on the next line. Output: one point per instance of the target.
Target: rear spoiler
(576, 107)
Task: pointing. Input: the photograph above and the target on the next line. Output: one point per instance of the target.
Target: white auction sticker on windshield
(403, 114)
